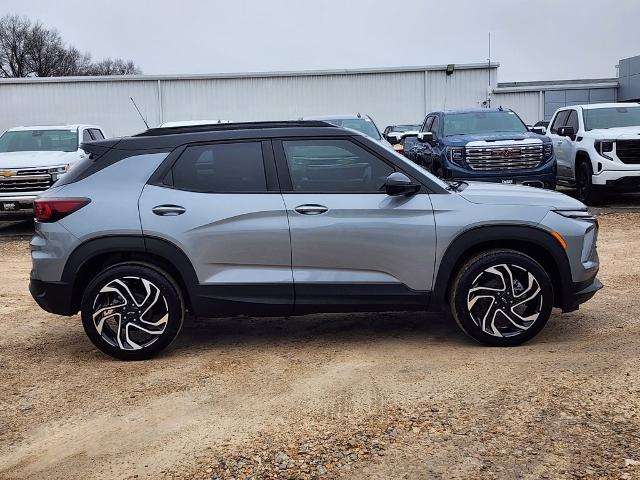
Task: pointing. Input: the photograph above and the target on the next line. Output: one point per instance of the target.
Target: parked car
(361, 123)
(283, 218)
(597, 148)
(407, 143)
(393, 133)
(189, 123)
(33, 158)
(488, 145)
(542, 125)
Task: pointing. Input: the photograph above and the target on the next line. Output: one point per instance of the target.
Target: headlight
(603, 147)
(57, 172)
(547, 150)
(578, 215)
(456, 155)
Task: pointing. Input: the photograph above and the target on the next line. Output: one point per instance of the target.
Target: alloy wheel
(130, 313)
(505, 300)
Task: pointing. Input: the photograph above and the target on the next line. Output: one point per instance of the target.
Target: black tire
(438, 172)
(586, 192)
(118, 330)
(469, 307)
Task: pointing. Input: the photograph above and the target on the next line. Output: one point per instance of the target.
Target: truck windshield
(471, 123)
(362, 125)
(39, 141)
(611, 117)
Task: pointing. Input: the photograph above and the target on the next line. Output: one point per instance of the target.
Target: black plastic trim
(53, 297)
(474, 237)
(365, 297)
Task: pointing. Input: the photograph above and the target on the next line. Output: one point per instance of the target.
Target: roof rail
(156, 132)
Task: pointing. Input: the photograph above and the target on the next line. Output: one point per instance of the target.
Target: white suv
(33, 158)
(597, 146)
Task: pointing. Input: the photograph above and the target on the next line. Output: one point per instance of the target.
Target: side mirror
(538, 130)
(393, 138)
(426, 137)
(566, 132)
(398, 184)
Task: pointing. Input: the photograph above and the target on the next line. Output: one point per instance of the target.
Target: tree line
(29, 49)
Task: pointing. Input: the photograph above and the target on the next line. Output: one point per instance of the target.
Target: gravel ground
(372, 396)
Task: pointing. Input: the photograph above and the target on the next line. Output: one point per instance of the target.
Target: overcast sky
(532, 39)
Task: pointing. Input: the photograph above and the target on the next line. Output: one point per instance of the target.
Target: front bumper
(543, 176)
(580, 293)
(617, 178)
(16, 206)
(547, 180)
(53, 297)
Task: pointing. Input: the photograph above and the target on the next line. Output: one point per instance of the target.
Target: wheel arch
(95, 255)
(532, 241)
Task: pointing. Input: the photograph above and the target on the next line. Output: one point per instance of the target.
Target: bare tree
(30, 49)
(116, 66)
(14, 34)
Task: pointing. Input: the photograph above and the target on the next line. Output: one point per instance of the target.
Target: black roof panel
(171, 137)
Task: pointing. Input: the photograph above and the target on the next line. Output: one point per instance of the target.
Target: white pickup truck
(33, 158)
(597, 147)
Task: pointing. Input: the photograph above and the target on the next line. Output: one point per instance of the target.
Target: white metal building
(389, 95)
(392, 95)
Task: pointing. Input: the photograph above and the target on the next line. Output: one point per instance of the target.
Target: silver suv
(282, 218)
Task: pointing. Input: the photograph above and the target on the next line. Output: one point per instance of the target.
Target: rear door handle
(311, 209)
(168, 210)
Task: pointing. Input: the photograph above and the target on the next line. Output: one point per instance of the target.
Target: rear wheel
(587, 193)
(132, 311)
(501, 298)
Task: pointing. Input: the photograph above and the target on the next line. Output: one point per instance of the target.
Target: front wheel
(501, 298)
(132, 311)
(587, 193)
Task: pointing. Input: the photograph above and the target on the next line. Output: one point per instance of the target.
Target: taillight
(47, 210)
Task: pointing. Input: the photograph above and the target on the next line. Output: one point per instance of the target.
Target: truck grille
(628, 151)
(26, 181)
(504, 157)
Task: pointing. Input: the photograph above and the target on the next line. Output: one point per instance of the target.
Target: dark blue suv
(489, 145)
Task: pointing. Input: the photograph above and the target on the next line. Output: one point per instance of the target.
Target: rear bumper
(580, 293)
(53, 297)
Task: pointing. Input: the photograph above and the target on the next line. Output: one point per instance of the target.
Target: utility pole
(489, 69)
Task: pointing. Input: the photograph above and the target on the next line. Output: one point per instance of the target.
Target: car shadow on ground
(16, 229)
(348, 327)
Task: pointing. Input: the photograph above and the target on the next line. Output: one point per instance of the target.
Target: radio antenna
(139, 112)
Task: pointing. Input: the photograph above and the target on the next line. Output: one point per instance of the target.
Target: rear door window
(221, 168)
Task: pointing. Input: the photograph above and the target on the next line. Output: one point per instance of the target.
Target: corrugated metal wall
(389, 96)
(526, 104)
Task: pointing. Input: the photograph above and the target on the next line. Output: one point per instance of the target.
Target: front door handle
(311, 209)
(168, 210)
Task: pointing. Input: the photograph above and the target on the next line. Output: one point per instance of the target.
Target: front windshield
(611, 117)
(471, 123)
(362, 125)
(39, 141)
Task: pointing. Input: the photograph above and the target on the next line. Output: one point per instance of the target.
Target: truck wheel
(501, 298)
(437, 171)
(132, 311)
(587, 193)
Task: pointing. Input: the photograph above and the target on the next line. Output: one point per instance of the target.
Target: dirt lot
(328, 396)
